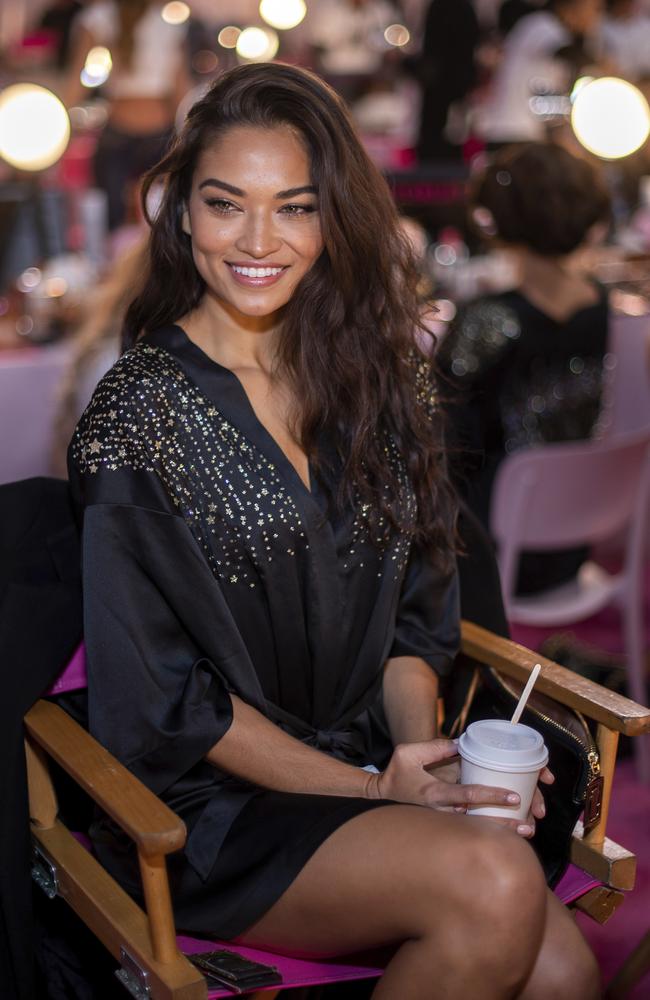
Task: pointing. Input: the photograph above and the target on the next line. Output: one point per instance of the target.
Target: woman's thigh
(395, 873)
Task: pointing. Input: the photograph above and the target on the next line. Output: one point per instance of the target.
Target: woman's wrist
(372, 789)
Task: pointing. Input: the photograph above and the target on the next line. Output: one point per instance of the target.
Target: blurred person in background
(512, 11)
(95, 345)
(347, 40)
(544, 49)
(626, 38)
(58, 18)
(446, 71)
(148, 79)
(526, 366)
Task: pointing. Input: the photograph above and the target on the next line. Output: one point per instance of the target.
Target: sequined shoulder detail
(109, 435)
(146, 414)
(479, 336)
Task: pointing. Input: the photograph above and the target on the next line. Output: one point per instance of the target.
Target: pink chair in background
(29, 385)
(627, 393)
(567, 495)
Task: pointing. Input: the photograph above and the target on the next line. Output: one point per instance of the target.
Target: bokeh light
(29, 279)
(175, 12)
(397, 34)
(283, 14)
(205, 61)
(257, 44)
(97, 68)
(610, 117)
(34, 126)
(229, 36)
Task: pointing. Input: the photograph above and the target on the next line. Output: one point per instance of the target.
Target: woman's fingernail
(542, 810)
(513, 798)
(524, 830)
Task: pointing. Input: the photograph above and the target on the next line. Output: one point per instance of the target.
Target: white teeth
(256, 272)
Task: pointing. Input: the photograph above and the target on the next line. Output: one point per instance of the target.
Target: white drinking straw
(525, 694)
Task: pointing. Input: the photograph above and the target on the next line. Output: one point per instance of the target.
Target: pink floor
(629, 825)
(629, 818)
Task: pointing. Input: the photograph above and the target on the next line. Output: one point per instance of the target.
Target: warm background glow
(610, 117)
(397, 34)
(34, 127)
(257, 44)
(229, 36)
(283, 14)
(175, 12)
(97, 68)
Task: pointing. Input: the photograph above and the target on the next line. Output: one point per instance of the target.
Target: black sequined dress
(515, 378)
(210, 568)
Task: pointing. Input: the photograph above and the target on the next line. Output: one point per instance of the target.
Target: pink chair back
(29, 385)
(568, 494)
(627, 393)
(565, 495)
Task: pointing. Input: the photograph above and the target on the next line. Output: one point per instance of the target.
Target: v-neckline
(181, 345)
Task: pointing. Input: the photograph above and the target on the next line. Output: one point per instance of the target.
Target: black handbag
(573, 755)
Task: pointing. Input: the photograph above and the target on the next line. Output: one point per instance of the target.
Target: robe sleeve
(155, 699)
(159, 637)
(428, 614)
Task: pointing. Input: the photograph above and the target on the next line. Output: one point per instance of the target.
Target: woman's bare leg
(464, 900)
(566, 968)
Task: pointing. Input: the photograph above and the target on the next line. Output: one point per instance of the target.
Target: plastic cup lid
(494, 742)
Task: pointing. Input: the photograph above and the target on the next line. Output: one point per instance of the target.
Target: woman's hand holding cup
(411, 777)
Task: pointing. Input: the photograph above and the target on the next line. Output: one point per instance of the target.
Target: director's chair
(151, 957)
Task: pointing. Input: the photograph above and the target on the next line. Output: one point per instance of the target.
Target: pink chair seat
(74, 676)
(295, 972)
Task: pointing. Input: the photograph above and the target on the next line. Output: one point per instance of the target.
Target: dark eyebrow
(213, 182)
(289, 193)
(293, 192)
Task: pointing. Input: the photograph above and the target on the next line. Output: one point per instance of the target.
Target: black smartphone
(236, 973)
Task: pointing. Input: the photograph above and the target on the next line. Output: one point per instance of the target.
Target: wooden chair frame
(144, 943)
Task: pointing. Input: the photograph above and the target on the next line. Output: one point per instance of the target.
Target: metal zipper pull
(593, 792)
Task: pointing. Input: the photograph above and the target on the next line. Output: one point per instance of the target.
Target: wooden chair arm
(156, 830)
(604, 706)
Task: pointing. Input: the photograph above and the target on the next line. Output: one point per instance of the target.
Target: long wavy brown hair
(348, 346)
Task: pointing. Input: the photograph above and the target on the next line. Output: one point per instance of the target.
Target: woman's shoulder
(129, 407)
(480, 333)
(144, 373)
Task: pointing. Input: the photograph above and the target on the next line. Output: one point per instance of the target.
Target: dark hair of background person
(347, 344)
(541, 196)
(130, 12)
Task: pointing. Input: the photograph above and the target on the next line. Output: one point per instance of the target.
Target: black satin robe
(210, 568)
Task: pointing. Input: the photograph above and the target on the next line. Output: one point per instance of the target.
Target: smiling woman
(263, 482)
(260, 237)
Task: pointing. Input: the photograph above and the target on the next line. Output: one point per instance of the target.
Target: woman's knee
(491, 877)
(503, 868)
(511, 893)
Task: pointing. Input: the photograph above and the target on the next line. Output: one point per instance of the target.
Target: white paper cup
(500, 755)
